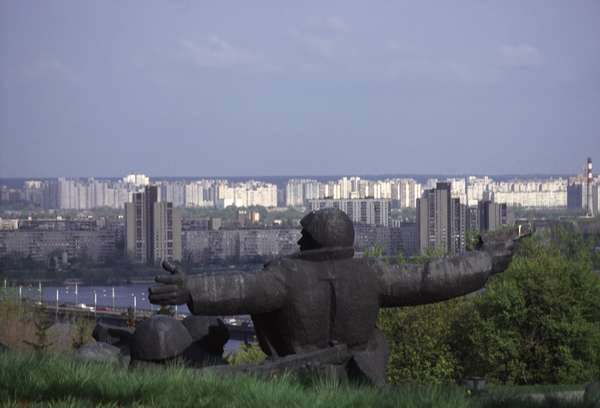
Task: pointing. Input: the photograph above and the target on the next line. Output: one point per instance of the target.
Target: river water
(122, 297)
(134, 295)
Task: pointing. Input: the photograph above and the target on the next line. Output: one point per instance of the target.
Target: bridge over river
(240, 329)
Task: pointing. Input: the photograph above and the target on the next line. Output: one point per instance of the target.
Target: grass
(49, 379)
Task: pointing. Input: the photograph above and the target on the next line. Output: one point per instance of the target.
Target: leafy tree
(539, 322)
(472, 240)
(419, 339)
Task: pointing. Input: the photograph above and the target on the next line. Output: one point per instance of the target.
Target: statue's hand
(172, 289)
(502, 252)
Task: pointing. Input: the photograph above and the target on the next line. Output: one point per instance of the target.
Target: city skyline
(184, 88)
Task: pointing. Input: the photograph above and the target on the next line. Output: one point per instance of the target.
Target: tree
(419, 339)
(539, 322)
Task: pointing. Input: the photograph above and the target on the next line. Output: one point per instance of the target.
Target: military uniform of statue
(323, 296)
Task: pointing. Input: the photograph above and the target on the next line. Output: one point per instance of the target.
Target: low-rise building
(239, 245)
(40, 245)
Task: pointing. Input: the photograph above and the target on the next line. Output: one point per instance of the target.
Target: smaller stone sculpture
(197, 341)
(209, 336)
(118, 336)
(159, 339)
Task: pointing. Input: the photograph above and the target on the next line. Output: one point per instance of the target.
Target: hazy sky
(193, 88)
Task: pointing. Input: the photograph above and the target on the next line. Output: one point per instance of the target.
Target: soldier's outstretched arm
(444, 278)
(221, 294)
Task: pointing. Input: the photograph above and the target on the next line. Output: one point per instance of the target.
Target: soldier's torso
(329, 302)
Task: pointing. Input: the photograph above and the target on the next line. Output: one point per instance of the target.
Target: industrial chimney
(588, 189)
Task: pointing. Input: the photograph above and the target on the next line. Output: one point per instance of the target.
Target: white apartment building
(138, 180)
(247, 194)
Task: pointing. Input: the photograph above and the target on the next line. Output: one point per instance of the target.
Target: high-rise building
(139, 180)
(492, 216)
(404, 193)
(576, 192)
(294, 193)
(596, 199)
(441, 221)
(153, 229)
(458, 227)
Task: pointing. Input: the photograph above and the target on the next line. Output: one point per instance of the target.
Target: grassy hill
(45, 379)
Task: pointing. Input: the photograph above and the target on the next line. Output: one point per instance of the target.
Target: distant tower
(588, 191)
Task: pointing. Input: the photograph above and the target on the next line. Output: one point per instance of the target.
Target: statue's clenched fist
(172, 289)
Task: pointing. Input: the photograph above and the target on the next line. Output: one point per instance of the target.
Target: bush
(82, 332)
(538, 322)
(419, 339)
(247, 354)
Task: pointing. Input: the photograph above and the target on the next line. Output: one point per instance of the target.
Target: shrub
(247, 354)
(419, 339)
(538, 322)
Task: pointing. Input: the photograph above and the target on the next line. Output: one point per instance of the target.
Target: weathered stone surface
(592, 392)
(198, 326)
(369, 365)
(118, 336)
(322, 296)
(209, 335)
(474, 383)
(159, 338)
(3, 348)
(99, 352)
(329, 228)
(61, 336)
(211, 332)
(197, 356)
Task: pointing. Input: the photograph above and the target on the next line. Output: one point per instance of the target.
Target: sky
(271, 87)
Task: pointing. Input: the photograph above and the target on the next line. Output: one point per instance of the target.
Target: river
(134, 296)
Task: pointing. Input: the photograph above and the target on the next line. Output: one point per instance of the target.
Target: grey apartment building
(152, 228)
(441, 221)
(492, 216)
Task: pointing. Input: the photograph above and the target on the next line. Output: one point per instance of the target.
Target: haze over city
(183, 88)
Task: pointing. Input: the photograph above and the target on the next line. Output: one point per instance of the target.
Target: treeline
(536, 323)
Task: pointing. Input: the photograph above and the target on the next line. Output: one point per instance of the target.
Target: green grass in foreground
(54, 380)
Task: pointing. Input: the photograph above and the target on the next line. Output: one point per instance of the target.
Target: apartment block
(152, 228)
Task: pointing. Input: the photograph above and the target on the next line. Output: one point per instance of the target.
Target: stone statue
(323, 297)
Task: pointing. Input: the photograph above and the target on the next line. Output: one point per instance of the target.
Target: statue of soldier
(322, 296)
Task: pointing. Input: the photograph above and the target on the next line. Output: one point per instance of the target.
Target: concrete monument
(323, 298)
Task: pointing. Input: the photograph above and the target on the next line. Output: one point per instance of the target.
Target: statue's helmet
(329, 227)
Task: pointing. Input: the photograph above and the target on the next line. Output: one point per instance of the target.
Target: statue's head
(326, 228)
